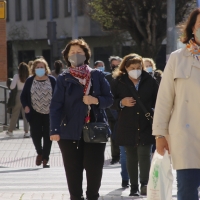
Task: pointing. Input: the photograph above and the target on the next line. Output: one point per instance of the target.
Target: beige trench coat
(177, 111)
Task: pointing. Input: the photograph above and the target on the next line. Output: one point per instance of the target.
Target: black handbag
(96, 132)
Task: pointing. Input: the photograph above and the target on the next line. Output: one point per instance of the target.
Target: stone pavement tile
(57, 197)
(6, 195)
(105, 198)
(16, 196)
(36, 196)
(26, 196)
(47, 196)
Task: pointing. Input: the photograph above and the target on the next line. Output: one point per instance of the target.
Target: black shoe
(45, 165)
(134, 191)
(114, 161)
(125, 183)
(143, 190)
(135, 194)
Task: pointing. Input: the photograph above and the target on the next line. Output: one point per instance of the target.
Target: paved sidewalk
(22, 180)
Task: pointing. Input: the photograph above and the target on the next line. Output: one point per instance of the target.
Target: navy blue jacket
(26, 94)
(67, 110)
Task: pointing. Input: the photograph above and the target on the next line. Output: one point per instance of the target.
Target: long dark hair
(58, 66)
(187, 28)
(23, 71)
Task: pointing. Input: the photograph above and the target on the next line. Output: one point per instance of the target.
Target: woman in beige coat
(177, 112)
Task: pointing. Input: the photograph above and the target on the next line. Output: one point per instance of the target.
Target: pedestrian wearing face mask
(117, 153)
(36, 98)
(112, 114)
(150, 67)
(134, 131)
(77, 89)
(176, 119)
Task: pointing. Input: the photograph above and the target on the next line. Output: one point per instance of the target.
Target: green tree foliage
(144, 20)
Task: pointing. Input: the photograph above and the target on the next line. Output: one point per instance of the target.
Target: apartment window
(42, 9)
(55, 8)
(81, 6)
(67, 8)
(7, 10)
(30, 9)
(18, 12)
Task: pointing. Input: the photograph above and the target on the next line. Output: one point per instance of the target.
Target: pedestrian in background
(58, 65)
(76, 89)
(176, 119)
(134, 131)
(30, 65)
(99, 64)
(150, 67)
(112, 120)
(112, 114)
(18, 82)
(36, 98)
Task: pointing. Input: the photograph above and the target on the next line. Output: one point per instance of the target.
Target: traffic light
(51, 32)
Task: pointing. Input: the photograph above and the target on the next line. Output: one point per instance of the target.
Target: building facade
(27, 35)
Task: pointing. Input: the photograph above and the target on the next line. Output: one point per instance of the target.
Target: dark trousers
(77, 156)
(138, 155)
(188, 182)
(115, 151)
(39, 128)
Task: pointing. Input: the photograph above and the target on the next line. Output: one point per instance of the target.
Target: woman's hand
(128, 101)
(161, 145)
(26, 109)
(88, 100)
(55, 137)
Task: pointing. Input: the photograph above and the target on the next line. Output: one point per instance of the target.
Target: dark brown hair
(23, 71)
(83, 46)
(187, 28)
(40, 60)
(58, 66)
(126, 62)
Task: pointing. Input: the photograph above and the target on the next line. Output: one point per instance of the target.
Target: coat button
(64, 124)
(138, 113)
(55, 129)
(138, 129)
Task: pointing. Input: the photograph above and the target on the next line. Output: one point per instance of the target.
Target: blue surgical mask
(40, 72)
(101, 68)
(149, 69)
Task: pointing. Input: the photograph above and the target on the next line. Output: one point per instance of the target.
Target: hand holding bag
(160, 178)
(95, 132)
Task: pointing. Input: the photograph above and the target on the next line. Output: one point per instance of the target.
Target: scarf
(82, 73)
(194, 49)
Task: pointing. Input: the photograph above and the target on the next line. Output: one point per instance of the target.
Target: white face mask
(135, 73)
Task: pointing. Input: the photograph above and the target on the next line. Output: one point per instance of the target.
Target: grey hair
(114, 58)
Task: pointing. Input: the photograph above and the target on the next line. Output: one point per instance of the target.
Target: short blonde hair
(151, 61)
(126, 62)
(40, 60)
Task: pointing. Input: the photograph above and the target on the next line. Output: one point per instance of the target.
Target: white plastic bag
(160, 178)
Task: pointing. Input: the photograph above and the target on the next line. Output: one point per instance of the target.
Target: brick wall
(3, 51)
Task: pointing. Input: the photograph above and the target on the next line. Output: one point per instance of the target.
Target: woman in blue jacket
(77, 89)
(36, 98)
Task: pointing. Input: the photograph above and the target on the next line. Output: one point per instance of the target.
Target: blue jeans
(188, 181)
(124, 172)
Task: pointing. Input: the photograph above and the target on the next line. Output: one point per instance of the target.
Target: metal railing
(4, 101)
